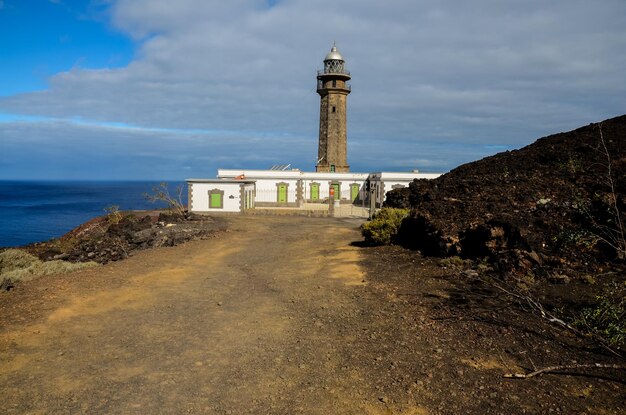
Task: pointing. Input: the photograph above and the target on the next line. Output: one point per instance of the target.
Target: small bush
(22, 266)
(607, 318)
(383, 228)
(454, 262)
(113, 214)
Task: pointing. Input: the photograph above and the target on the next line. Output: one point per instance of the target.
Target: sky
(162, 89)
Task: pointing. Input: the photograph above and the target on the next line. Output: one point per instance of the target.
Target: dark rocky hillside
(551, 202)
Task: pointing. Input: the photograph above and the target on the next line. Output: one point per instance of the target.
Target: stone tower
(333, 89)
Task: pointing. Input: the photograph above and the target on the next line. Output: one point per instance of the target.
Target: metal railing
(333, 72)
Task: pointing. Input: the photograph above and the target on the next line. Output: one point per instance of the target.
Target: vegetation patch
(17, 265)
(607, 318)
(384, 226)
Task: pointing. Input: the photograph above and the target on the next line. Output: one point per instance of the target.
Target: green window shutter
(215, 201)
(337, 191)
(282, 193)
(315, 192)
(354, 191)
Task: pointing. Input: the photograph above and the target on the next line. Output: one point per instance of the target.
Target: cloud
(463, 75)
(33, 148)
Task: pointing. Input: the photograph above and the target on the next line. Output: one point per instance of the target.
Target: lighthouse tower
(333, 89)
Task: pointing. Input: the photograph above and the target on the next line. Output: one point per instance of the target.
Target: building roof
(228, 174)
(333, 55)
(222, 181)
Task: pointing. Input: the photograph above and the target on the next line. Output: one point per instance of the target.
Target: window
(334, 109)
(334, 83)
(249, 199)
(315, 191)
(216, 199)
(332, 168)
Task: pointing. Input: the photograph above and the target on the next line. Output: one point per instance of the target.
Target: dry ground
(279, 315)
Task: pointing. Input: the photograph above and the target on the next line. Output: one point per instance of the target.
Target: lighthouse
(333, 89)
(236, 190)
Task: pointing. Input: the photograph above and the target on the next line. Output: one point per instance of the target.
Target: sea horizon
(39, 210)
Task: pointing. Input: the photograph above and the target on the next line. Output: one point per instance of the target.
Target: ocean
(34, 211)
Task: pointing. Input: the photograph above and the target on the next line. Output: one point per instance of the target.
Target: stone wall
(333, 135)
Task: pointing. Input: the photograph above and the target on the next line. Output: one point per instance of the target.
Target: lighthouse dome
(333, 55)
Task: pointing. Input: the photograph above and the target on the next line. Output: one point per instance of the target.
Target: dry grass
(22, 266)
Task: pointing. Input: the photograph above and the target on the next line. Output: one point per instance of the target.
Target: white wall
(391, 183)
(200, 196)
(325, 187)
(267, 191)
(266, 180)
(401, 176)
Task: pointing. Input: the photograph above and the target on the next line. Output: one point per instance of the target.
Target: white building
(240, 190)
(212, 195)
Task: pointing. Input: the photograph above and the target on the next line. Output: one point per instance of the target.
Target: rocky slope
(114, 237)
(558, 200)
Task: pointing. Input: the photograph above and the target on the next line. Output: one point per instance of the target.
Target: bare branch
(562, 367)
(538, 308)
(174, 203)
(613, 196)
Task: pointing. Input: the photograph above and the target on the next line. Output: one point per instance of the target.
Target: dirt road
(258, 320)
(275, 316)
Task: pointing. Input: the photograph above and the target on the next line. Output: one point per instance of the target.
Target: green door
(354, 191)
(315, 191)
(282, 193)
(216, 201)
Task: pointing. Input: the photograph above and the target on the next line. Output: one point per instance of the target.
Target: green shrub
(383, 228)
(607, 318)
(21, 266)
